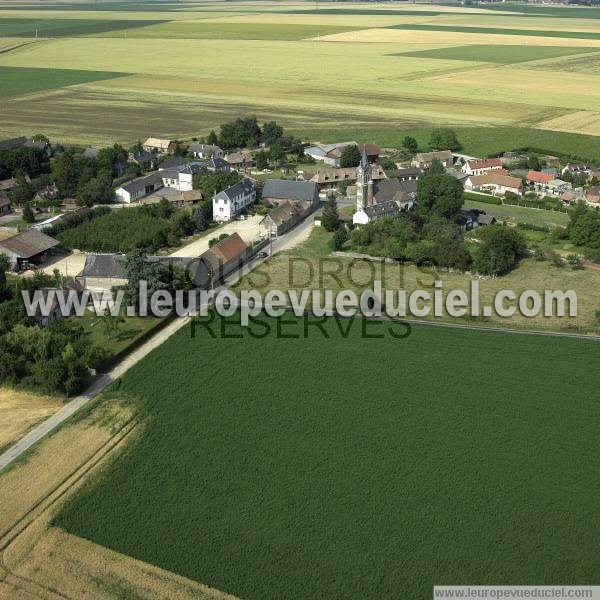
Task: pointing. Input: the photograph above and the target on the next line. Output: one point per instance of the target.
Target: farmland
(488, 72)
(377, 487)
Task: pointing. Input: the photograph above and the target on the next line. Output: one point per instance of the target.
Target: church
(380, 198)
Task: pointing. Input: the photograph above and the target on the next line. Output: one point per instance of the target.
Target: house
(224, 257)
(472, 218)
(481, 166)
(373, 212)
(205, 151)
(277, 191)
(556, 187)
(583, 170)
(23, 142)
(30, 246)
(231, 202)
(404, 193)
(143, 158)
(334, 156)
(5, 205)
(216, 165)
(423, 160)
(49, 192)
(538, 180)
(373, 151)
(158, 145)
(240, 161)
(573, 196)
(282, 218)
(495, 183)
(179, 178)
(592, 196)
(139, 188)
(7, 185)
(172, 162)
(90, 153)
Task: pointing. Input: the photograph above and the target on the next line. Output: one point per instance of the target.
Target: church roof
(386, 190)
(364, 159)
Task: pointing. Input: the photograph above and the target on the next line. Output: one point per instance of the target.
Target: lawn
(500, 54)
(354, 467)
(21, 80)
(521, 214)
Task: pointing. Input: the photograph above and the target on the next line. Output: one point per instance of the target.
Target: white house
(495, 183)
(205, 151)
(231, 202)
(372, 212)
(139, 188)
(481, 167)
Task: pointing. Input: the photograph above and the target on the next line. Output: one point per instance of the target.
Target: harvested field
(21, 411)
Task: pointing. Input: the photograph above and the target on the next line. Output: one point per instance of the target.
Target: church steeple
(364, 182)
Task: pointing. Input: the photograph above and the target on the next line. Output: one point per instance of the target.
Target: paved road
(288, 240)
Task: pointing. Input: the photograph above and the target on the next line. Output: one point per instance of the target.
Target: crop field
(393, 68)
(26, 80)
(503, 54)
(387, 470)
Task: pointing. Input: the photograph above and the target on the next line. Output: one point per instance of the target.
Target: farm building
(224, 257)
(423, 160)
(139, 188)
(282, 190)
(402, 173)
(498, 184)
(282, 218)
(241, 160)
(481, 166)
(231, 202)
(30, 246)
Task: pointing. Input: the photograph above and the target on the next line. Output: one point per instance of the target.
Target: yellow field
(184, 87)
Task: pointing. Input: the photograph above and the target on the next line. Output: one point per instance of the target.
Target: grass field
(19, 80)
(312, 69)
(388, 470)
(501, 54)
(520, 214)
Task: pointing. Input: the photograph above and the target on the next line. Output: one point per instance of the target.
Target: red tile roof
(485, 163)
(539, 177)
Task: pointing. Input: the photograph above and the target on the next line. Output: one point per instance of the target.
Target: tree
(499, 249)
(410, 144)
(28, 215)
(271, 133)
(212, 138)
(444, 139)
(66, 175)
(439, 193)
(350, 157)
(23, 191)
(5, 293)
(331, 218)
(276, 153)
(96, 191)
(533, 163)
(240, 133)
(213, 183)
(448, 247)
(262, 161)
(339, 238)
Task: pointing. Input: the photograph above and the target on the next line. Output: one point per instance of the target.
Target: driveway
(248, 230)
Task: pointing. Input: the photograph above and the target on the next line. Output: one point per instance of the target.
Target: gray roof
(294, 190)
(142, 182)
(382, 209)
(143, 156)
(245, 186)
(28, 243)
(172, 162)
(204, 148)
(217, 163)
(400, 173)
(385, 190)
(111, 266)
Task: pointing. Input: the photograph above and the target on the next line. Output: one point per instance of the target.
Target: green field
(18, 80)
(28, 28)
(500, 54)
(376, 71)
(580, 35)
(232, 31)
(521, 214)
(357, 468)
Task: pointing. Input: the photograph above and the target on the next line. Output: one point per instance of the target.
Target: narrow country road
(286, 241)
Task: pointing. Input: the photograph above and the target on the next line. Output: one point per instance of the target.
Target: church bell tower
(364, 182)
